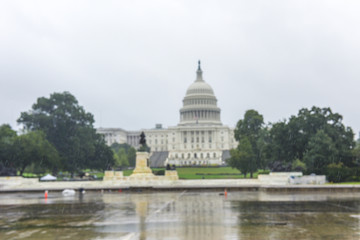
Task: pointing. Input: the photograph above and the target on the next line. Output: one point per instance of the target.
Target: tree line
(58, 135)
(314, 141)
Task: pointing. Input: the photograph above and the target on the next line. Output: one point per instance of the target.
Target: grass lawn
(204, 173)
(196, 173)
(211, 173)
(127, 172)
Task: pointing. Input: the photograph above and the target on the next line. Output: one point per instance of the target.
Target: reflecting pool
(180, 215)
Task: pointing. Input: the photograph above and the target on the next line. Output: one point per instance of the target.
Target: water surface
(180, 215)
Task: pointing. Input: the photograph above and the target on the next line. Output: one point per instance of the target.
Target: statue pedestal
(113, 175)
(141, 168)
(171, 175)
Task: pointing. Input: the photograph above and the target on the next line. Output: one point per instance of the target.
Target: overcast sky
(130, 62)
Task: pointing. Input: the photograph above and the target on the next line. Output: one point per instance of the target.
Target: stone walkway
(18, 184)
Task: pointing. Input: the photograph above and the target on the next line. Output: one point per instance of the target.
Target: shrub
(298, 165)
(263, 171)
(337, 172)
(160, 172)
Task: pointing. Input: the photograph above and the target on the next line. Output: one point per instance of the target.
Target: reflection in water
(141, 211)
(175, 215)
(297, 220)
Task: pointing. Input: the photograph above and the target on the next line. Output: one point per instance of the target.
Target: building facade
(200, 138)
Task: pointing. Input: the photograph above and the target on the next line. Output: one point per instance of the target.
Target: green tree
(279, 148)
(289, 140)
(69, 128)
(356, 153)
(121, 158)
(243, 158)
(337, 172)
(129, 150)
(7, 139)
(131, 154)
(251, 128)
(33, 148)
(298, 165)
(321, 152)
(116, 146)
(103, 156)
(323, 118)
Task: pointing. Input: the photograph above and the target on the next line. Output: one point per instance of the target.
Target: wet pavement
(180, 215)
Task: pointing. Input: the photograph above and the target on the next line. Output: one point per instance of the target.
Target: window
(185, 140)
(195, 156)
(214, 155)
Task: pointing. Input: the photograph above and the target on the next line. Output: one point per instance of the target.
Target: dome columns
(195, 115)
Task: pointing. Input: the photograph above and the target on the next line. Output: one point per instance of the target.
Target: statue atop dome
(199, 73)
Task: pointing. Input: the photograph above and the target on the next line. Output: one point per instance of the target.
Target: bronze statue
(143, 146)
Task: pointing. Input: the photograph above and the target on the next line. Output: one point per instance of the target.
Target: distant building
(199, 139)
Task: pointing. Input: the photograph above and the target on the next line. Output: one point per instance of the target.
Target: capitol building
(199, 139)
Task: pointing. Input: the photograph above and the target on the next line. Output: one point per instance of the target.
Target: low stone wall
(291, 178)
(15, 181)
(170, 175)
(116, 180)
(273, 180)
(317, 179)
(287, 174)
(113, 175)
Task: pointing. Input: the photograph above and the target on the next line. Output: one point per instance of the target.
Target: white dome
(199, 87)
(200, 103)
